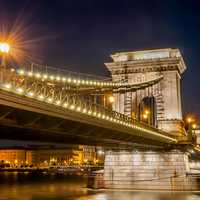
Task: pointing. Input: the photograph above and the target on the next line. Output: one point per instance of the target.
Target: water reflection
(19, 186)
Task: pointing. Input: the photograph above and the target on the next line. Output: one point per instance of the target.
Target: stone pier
(148, 170)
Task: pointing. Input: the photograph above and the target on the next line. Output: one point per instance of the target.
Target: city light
(194, 126)
(50, 100)
(146, 112)
(4, 47)
(30, 94)
(72, 107)
(65, 105)
(111, 99)
(78, 108)
(21, 72)
(19, 90)
(189, 120)
(145, 116)
(7, 86)
(41, 97)
(45, 76)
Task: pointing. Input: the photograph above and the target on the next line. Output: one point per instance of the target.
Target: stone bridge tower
(140, 66)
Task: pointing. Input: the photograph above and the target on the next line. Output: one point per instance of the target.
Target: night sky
(80, 35)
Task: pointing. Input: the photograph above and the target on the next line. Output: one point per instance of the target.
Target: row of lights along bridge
(5, 49)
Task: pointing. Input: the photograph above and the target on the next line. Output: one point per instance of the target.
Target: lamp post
(191, 137)
(4, 50)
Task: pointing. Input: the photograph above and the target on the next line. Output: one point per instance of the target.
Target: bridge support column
(143, 170)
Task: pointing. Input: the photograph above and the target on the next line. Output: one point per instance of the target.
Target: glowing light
(189, 120)
(146, 112)
(89, 112)
(4, 47)
(7, 86)
(194, 126)
(72, 107)
(111, 99)
(19, 90)
(21, 72)
(69, 80)
(145, 116)
(52, 77)
(65, 105)
(100, 152)
(58, 78)
(45, 76)
(94, 113)
(78, 109)
(30, 74)
(64, 79)
(41, 97)
(30, 94)
(84, 110)
(38, 75)
(50, 100)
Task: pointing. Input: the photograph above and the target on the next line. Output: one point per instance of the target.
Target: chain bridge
(136, 114)
(49, 101)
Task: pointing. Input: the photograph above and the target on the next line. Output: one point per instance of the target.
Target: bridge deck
(26, 110)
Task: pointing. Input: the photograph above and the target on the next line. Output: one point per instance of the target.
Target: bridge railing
(104, 113)
(36, 68)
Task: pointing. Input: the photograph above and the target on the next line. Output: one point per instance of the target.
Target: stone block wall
(148, 170)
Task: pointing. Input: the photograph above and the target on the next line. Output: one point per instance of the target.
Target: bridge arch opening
(148, 110)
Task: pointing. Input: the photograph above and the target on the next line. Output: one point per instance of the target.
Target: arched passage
(148, 110)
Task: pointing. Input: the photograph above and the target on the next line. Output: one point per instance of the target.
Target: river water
(41, 186)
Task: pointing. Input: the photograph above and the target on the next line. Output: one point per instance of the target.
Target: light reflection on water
(20, 186)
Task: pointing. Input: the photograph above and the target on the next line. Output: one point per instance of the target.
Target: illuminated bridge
(138, 112)
(63, 105)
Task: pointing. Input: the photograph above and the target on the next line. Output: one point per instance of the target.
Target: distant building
(44, 156)
(14, 157)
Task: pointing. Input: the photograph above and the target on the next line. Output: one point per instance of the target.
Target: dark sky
(81, 34)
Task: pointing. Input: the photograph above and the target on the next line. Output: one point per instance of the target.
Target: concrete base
(145, 170)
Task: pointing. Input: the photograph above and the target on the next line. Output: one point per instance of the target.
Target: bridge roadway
(33, 119)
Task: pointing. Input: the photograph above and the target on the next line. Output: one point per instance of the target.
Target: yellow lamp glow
(4, 47)
(194, 126)
(111, 99)
(189, 119)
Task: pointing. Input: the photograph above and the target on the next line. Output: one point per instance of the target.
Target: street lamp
(191, 127)
(189, 120)
(194, 126)
(4, 49)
